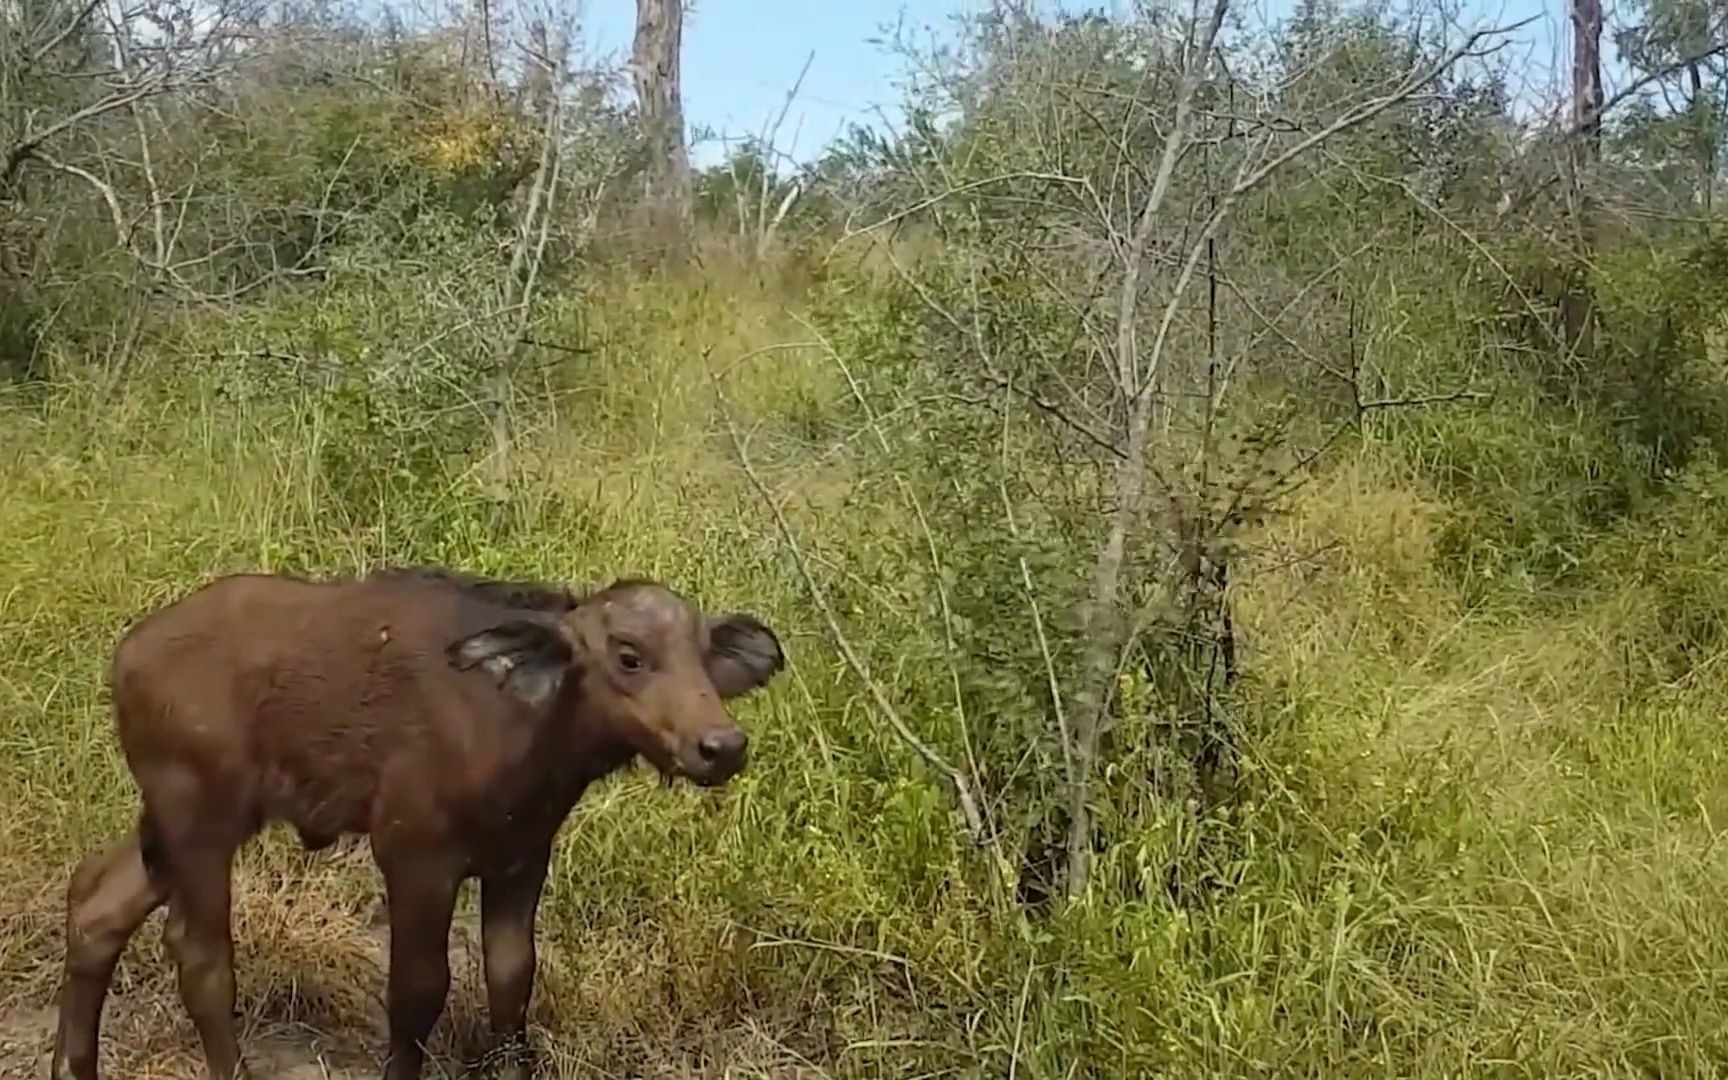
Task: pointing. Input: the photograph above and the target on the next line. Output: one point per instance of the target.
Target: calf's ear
(528, 658)
(743, 654)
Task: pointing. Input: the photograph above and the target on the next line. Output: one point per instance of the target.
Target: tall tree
(659, 92)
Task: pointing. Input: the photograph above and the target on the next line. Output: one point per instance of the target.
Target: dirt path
(312, 949)
(283, 1054)
(313, 1031)
(145, 1036)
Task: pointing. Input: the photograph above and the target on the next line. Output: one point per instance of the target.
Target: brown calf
(452, 720)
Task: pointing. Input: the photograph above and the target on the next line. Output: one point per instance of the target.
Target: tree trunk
(1105, 620)
(1706, 136)
(1585, 152)
(666, 195)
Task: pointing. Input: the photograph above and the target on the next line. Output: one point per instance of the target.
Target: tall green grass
(1483, 836)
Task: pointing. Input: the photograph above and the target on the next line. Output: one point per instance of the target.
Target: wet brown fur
(452, 719)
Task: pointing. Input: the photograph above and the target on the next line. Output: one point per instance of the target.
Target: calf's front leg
(508, 904)
(420, 892)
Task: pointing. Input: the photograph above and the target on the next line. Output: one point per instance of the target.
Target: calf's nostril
(718, 745)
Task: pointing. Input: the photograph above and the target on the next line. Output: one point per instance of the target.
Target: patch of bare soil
(146, 1040)
(24, 1041)
(145, 1034)
(312, 1009)
(311, 949)
(276, 1052)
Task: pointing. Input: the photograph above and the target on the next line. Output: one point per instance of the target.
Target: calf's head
(640, 661)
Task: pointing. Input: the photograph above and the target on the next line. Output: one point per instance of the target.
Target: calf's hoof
(62, 1067)
(514, 1062)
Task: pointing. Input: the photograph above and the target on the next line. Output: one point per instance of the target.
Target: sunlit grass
(1484, 837)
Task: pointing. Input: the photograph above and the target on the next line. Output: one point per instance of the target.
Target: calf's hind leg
(110, 896)
(199, 864)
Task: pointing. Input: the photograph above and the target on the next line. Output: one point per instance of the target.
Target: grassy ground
(1485, 837)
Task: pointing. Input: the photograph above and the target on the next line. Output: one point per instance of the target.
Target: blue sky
(741, 57)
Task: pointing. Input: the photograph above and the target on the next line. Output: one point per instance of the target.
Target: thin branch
(963, 792)
(120, 31)
(851, 233)
(1134, 251)
(930, 548)
(70, 27)
(1055, 685)
(1425, 399)
(1054, 411)
(764, 229)
(1631, 89)
(122, 236)
(1248, 180)
(30, 144)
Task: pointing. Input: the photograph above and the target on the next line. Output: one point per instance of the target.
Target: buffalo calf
(455, 721)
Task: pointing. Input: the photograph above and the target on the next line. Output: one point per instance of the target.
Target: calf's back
(302, 698)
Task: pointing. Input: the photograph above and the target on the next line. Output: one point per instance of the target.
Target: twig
(850, 233)
(929, 545)
(121, 33)
(1055, 411)
(1065, 736)
(103, 188)
(765, 228)
(530, 248)
(577, 350)
(1425, 399)
(31, 143)
(963, 793)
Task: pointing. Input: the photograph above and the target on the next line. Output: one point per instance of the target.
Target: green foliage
(387, 388)
(1532, 482)
(1454, 847)
(309, 164)
(20, 333)
(1662, 373)
(1456, 809)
